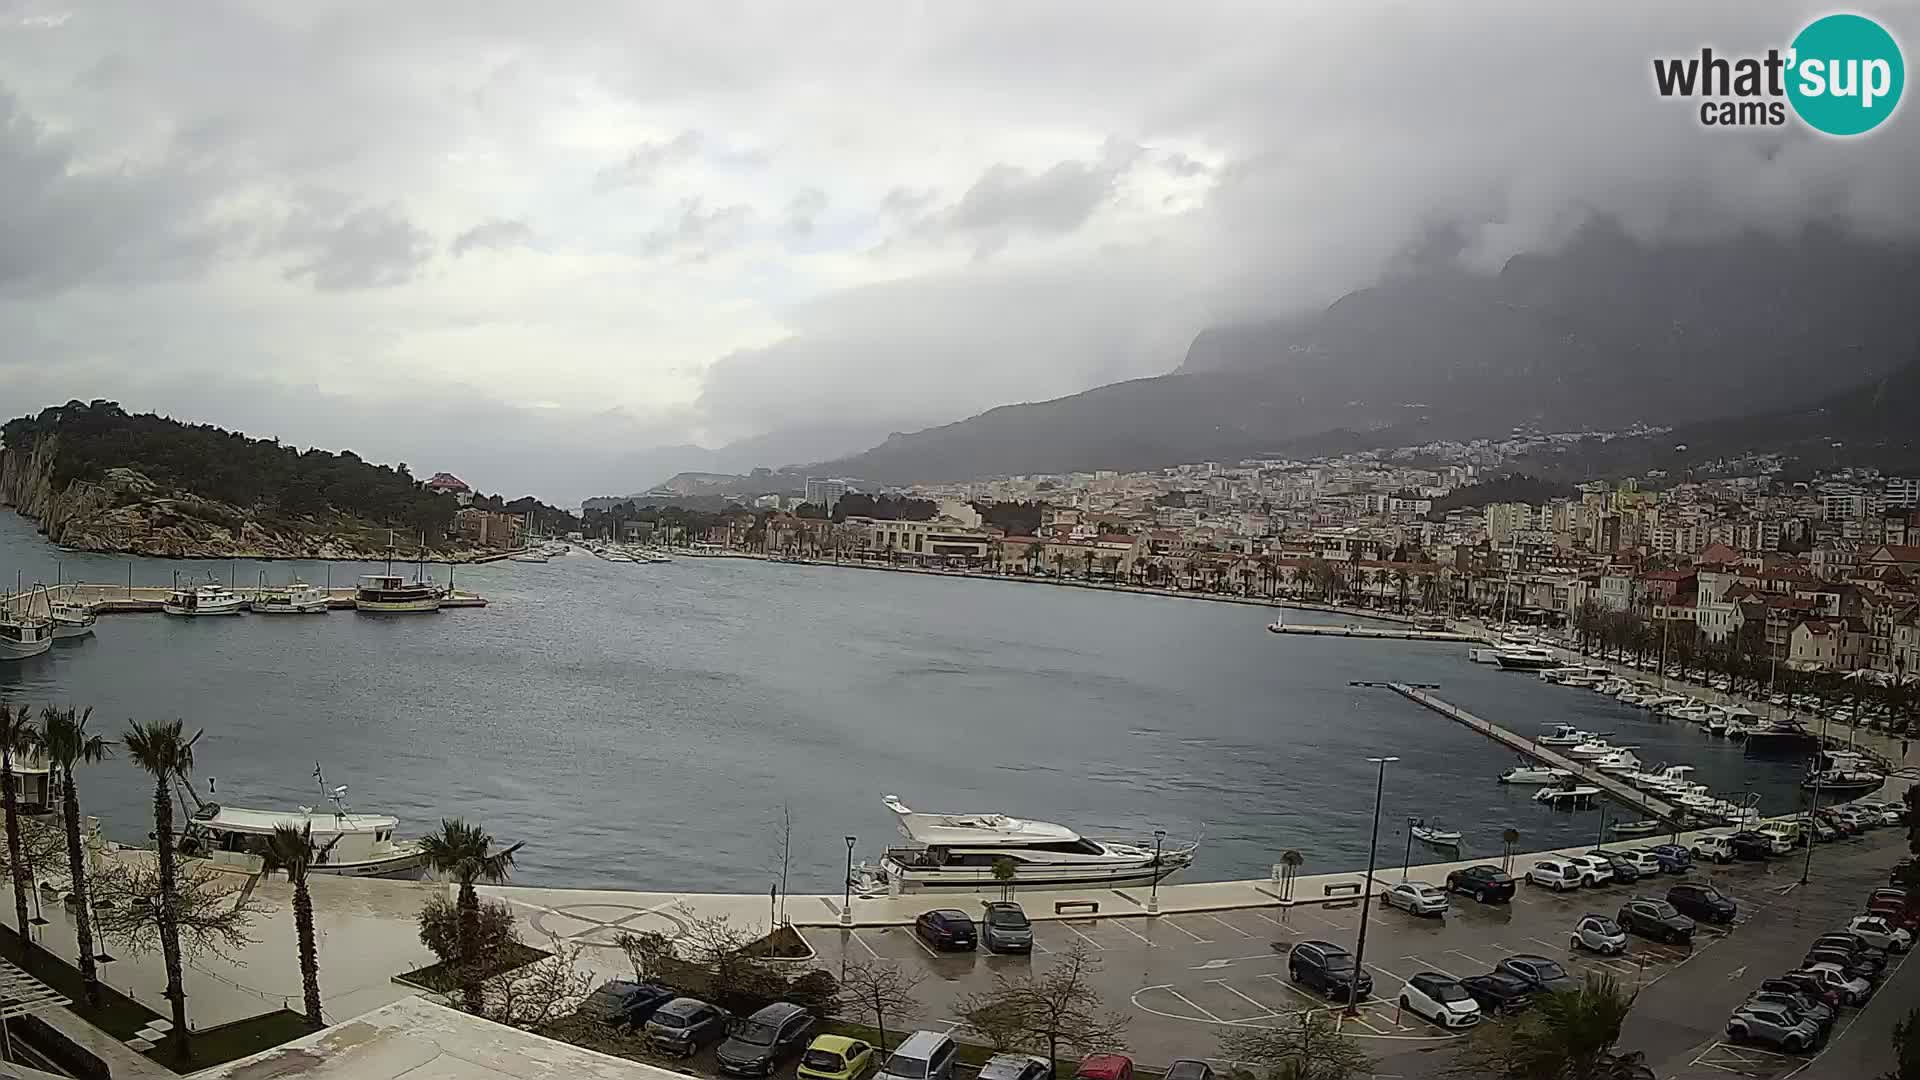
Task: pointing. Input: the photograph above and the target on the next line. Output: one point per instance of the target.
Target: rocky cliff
(126, 512)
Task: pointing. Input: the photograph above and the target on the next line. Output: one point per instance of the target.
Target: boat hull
(397, 606)
(18, 650)
(408, 867)
(981, 879)
(1524, 663)
(204, 612)
(314, 607)
(62, 631)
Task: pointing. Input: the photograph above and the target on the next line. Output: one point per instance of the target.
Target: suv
(1484, 883)
(1773, 1025)
(1538, 972)
(945, 929)
(1801, 1004)
(757, 1044)
(1674, 858)
(1593, 869)
(1555, 874)
(1656, 919)
(1626, 869)
(1005, 929)
(623, 1002)
(684, 1025)
(1749, 844)
(1698, 900)
(1328, 968)
(1499, 992)
(1713, 847)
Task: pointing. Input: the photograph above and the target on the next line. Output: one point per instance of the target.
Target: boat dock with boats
(130, 599)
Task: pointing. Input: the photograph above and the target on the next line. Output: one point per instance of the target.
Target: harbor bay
(642, 726)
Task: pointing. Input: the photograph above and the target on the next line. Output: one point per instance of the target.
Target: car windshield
(1660, 909)
(1605, 926)
(909, 1068)
(669, 1018)
(1339, 962)
(1007, 919)
(1548, 970)
(824, 1060)
(1449, 991)
(753, 1031)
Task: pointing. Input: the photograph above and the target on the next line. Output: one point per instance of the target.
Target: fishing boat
(348, 844)
(296, 597)
(23, 635)
(1593, 748)
(70, 620)
(1565, 735)
(1647, 827)
(1576, 795)
(211, 598)
(391, 593)
(1621, 762)
(963, 851)
(1433, 834)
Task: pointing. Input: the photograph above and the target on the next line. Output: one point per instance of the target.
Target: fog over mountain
(573, 252)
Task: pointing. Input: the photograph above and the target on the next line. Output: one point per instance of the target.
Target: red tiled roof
(448, 482)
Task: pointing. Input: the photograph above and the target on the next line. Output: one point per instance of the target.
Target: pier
(1624, 793)
(134, 599)
(1368, 632)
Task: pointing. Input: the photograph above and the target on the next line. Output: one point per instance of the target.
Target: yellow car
(835, 1057)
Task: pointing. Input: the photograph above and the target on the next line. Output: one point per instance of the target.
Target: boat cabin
(238, 838)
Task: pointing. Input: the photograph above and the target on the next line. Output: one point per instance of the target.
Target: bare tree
(650, 952)
(209, 915)
(880, 990)
(542, 991)
(1045, 1012)
(783, 860)
(1306, 1046)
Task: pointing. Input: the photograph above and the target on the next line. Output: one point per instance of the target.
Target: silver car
(1597, 933)
(1418, 897)
(1772, 1025)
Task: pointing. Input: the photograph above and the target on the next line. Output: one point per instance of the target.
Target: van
(925, 1055)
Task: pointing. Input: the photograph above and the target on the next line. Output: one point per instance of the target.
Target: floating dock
(137, 599)
(1621, 792)
(1368, 632)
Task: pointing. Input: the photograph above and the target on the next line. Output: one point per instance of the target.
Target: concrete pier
(1621, 792)
(1368, 632)
(135, 599)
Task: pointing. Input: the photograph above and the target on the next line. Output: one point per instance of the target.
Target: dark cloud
(365, 248)
(696, 233)
(644, 162)
(498, 234)
(1007, 199)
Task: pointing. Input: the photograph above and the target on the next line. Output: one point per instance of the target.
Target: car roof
(951, 913)
(1103, 1064)
(1533, 958)
(684, 1004)
(776, 1012)
(836, 1043)
(1327, 947)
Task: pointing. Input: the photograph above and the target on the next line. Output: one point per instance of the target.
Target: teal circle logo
(1846, 76)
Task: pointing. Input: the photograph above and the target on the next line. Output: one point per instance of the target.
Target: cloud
(802, 209)
(364, 248)
(644, 162)
(495, 235)
(1058, 199)
(696, 233)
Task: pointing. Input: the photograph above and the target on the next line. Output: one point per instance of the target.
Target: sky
(569, 249)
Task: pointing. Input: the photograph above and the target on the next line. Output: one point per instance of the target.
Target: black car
(1855, 944)
(684, 1025)
(757, 1044)
(1625, 870)
(1806, 984)
(1698, 900)
(1499, 992)
(1484, 883)
(1538, 972)
(1852, 963)
(1747, 844)
(623, 1002)
(1188, 1069)
(946, 929)
(1328, 968)
(1656, 919)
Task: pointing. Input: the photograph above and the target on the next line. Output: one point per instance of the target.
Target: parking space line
(1119, 925)
(1364, 1024)
(1196, 937)
(864, 945)
(1270, 1011)
(1070, 929)
(1302, 993)
(1435, 967)
(1548, 944)
(928, 948)
(1196, 1008)
(1324, 919)
(1499, 946)
(1229, 925)
(1469, 957)
(1378, 970)
(1274, 921)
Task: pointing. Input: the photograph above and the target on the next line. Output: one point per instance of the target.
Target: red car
(1896, 912)
(1105, 1067)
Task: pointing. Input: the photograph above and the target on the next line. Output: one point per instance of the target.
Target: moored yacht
(209, 599)
(70, 620)
(1592, 748)
(1526, 658)
(960, 851)
(1565, 735)
(294, 598)
(350, 845)
(392, 593)
(1841, 771)
(1535, 774)
(1621, 762)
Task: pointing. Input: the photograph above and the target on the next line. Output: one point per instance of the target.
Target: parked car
(1597, 933)
(757, 1045)
(1417, 898)
(1702, 902)
(1824, 832)
(1863, 818)
(1104, 1067)
(1441, 999)
(1772, 1025)
(1847, 939)
(946, 929)
(1750, 844)
(1881, 933)
(837, 1057)
(923, 1055)
(1328, 968)
(1808, 983)
(1674, 858)
(1801, 1005)
(1538, 972)
(1555, 874)
(1866, 961)
(1845, 827)
(1185, 1069)
(624, 1003)
(1499, 992)
(1022, 1067)
(1656, 919)
(1840, 958)
(1593, 869)
(1484, 883)
(1624, 869)
(1851, 989)
(1004, 928)
(684, 1025)
(1645, 863)
(1713, 847)
(1897, 895)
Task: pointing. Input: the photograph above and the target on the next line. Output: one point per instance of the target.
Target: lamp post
(1813, 805)
(846, 897)
(1153, 893)
(1406, 863)
(1366, 897)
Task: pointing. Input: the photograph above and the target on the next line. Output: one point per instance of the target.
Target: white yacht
(294, 598)
(1592, 748)
(208, 599)
(959, 851)
(1535, 774)
(1841, 771)
(1576, 795)
(351, 845)
(23, 635)
(1526, 658)
(1621, 762)
(70, 620)
(1663, 702)
(1564, 735)
(392, 593)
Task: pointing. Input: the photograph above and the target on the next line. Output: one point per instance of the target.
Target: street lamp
(1406, 864)
(1366, 898)
(1153, 893)
(846, 897)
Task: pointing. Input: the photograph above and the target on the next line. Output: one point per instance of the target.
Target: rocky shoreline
(125, 513)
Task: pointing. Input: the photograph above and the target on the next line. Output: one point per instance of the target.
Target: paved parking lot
(1185, 979)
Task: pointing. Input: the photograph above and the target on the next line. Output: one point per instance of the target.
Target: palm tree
(18, 737)
(292, 850)
(1291, 859)
(1569, 1034)
(69, 744)
(465, 853)
(1402, 582)
(162, 749)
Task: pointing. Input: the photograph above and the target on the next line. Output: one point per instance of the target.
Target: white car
(1417, 897)
(1555, 874)
(1880, 933)
(1861, 819)
(1643, 861)
(1714, 847)
(1441, 999)
(1852, 989)
(1594, 870)
(1597, 933)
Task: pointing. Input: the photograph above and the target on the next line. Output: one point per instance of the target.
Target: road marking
(1229, 961)
(1268, 1009)
(864, 945)
(923, 945)
(1229, 925)
(1548, 944)
(1324, 919)
(1196, 1008)
(1198, 940)
(1435, 967)
(1736, 972)
(1378, 970)
(1274, 921)
(1318, 1001)
(1118, 925)
(1083, 937)
(1467, 956)
(1501, 947)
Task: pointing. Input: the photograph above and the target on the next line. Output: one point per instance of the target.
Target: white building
(825, 493)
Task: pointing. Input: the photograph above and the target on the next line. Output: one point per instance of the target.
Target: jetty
(1588, 775)
(1404, 634)
(136, 599)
